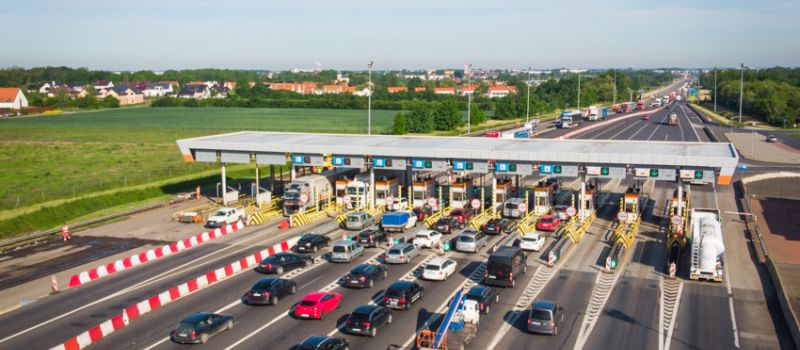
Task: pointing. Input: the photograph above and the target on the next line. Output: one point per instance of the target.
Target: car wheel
(229, 325)
(294, 289)
(308, 263)
(203, 338)
(389, 320)
(371, 283)
(279, 270)
(373, 332)
(315, 249)
(322, 315)
(275, 300)
(488, 308)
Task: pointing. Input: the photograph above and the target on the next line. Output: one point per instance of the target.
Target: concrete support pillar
(292, 173)
(494, 191)
(679, 206)
(371, 191)
(258, 184)
(582, 201)
(272, 178)
(224, 186)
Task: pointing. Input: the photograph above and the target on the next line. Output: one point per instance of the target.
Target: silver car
(544, 317)
(471, 241)
(359, 221)
(401, 253)
(346, 251)
(511, 208)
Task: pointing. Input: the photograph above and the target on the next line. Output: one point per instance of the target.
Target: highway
(626, 309)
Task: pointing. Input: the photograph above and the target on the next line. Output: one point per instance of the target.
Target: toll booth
(503, 191)
(631, 203)
(386, 187)
(421, 191)
(543, 197)
(341, 189)
(461, 193)
(357, 191)
(589, 202)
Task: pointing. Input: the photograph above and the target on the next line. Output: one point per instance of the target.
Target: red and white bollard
(551, 259)
(53, 285)
(65, 232)
(344, 236)
(608, 264)
(672, 270)
(441, 249)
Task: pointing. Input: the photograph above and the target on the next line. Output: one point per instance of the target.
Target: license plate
(256, 294)
(493, 277)
(356, 329)
(304, 315)
(183, 335)
(393, 302)
(353, 282)
(536, 323)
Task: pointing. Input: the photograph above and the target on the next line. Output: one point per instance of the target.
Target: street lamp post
(715, 89)
(615, 88)
(528, 107)
(579, 92)
(369, 99)
(741, 93)
(469, 96)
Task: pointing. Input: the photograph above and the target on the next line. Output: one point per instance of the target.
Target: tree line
(772, 94)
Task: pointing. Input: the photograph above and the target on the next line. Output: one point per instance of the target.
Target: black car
(485, 296)
(365, 319)
(504, 267)
(371, 238)
(322, 342)
(402, 294)
(311, 242)
(446, 224)
(281, 262)
(199, 327)
(269, 291)
(365, 275)
(497, 226)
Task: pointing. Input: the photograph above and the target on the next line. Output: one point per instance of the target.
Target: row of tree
(772, 95)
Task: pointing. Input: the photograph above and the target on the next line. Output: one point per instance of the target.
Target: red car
(646, 117)
(462, 215)
(318, 304)
(548, 222)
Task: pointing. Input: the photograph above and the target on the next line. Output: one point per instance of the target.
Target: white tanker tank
(708, 247)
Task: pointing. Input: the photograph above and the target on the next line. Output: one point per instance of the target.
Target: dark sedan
(365, 275)
(269, 291)
(311, 242)
(446, 225)
(365, 319)
(281, 262)
(322, 342)
(497, 226)
(485, 296)
(371, 238)
(199, 327)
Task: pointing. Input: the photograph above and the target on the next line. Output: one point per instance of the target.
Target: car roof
(400, 285)
(343, 242)
(315, 296)
(437, 261)
(315, 340)
(505, 251)
(399, 246)
(534, 234)
(361, 268)
(468, 233)
(477, 290)
(310, 235)
(544, 304)
(365, 309)
(196, 317)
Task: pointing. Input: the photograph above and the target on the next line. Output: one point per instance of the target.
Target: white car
(428, 239)
(399, 205)
(439, 269)
(532, 241)
(225, 216)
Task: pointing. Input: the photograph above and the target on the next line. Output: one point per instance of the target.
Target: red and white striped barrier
(152, 254)
(610, 121)
(134, 311)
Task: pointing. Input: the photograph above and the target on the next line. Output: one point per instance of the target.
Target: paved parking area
(752, 146)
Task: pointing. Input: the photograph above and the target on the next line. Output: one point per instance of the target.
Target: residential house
(159, 89)
(103, 84)
(333, 89)
(12, 98)
(444, 91)
(300, 88)
(73, 92)
(219, 91)
(230, 85)
(500, 91)
(420, 89)
(196, 91)
(468, 89)
(126, 95)
(355, 91)
(395, 89)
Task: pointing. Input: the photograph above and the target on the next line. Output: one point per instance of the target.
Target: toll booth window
(419, 195)
(499, 197)
(340, 192)
(353, 190)
(458, 196)
(630, 207)
(381, 194)
(541, 201)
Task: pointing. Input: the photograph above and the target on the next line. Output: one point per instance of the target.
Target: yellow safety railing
(479, 220)
(527, 223)
(431, 220)
(576, 234)
(625, 233)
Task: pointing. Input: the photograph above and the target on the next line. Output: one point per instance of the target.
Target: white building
(158, 90)
(12, 98)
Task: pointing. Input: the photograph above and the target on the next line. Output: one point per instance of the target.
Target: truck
(604, 112)
(306, 192)
(458, 327)
(673, 119)
(224, 216)
(357, 190)
(641, 105)
(398, 221)
(707, 247)
(568, 120)
(591, 113)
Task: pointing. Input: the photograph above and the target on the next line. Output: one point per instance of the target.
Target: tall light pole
(615, 88)
(528, 107)
(469, 96)
(369, 99)
(715, 89)
(579, 92)
(741, 93)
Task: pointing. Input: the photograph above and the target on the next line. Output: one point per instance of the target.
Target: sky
(407, 34)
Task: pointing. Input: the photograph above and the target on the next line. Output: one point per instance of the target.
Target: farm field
(62, 156)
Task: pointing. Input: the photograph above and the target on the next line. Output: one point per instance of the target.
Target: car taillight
(370, 239)
(401, 300)
(483, 305)
(194, 334)
(267, 266)
(386, 299)
(362, 278)
(349, 321)
(485, 273)
(367, 324)
(529, 321)
(511, 276)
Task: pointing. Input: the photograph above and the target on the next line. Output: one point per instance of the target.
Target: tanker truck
(708, 247)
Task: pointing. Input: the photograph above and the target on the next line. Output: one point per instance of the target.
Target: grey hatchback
(544, 317)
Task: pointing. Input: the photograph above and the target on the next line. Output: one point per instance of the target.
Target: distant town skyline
(418, 35)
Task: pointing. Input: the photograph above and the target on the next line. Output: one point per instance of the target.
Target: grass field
(61, 156)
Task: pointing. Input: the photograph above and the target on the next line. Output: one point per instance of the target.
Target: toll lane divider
(607, 122)
(134, 311)
(152, 254)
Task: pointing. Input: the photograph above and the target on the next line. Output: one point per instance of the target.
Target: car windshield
(339, 249)
(537, 314)
(546, 220)
(352, 219)
(308, 303)
(466, 239)
(433, 267)
(423, 236)
(184, 328)
(530, 239)
(394, 293)
(291, 195)
(357, 316)
(511, 206)
(365, 234)
(263, 285)
(497, 264)
(394, 251)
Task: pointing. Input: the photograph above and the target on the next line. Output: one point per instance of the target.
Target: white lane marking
(691, 124)
(728, 285)
(223, 309)
(674, 319)
(310, 282)
(632, 124)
